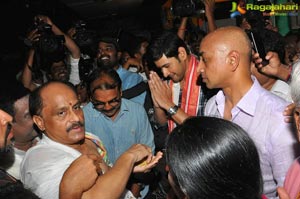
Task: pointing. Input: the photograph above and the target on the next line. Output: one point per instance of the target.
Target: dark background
(16, 16)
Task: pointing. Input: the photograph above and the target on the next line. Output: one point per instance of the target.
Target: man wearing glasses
(118, 122)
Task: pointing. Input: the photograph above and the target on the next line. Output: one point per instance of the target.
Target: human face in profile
(172, 68)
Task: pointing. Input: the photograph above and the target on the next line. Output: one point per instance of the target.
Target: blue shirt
(129, 80)
(260, 113)
(129, 127)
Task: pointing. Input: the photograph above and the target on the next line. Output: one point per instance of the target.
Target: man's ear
(233, 59)
(38, 120)
(182, 54)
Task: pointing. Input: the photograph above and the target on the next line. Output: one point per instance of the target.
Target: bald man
(56, 111)
(225, 63)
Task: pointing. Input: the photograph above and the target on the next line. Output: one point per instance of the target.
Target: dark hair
(35, 98)
(16, 191)
(110, 40)
(273, 41)
(214, 158)
(10, 93)
(101, 72)
(166, 44)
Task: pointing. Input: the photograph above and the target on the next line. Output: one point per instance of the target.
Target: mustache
(75, 125)
(110, 110)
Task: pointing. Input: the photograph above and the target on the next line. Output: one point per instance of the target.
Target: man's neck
(24, 146)
(269, 84)
(187, 64)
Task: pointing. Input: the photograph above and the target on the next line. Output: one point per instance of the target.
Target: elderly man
(225, 63)
(118, 122)
(56, 111)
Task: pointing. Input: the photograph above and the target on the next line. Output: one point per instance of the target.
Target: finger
(282, 193)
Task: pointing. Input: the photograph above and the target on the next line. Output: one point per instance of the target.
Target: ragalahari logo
(287, 9)
(237, 9)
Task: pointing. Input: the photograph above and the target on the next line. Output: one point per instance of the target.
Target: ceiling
(95, 9)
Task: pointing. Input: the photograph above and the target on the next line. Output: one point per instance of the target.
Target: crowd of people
(159, 117)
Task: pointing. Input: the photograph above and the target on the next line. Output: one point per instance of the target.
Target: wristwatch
(172, 110)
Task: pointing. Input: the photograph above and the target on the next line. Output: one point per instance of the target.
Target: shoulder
(125, 74)
(131, 105)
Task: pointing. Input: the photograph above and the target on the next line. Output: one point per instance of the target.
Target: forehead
(105, 95)
(163, 61)
(57, 93)
(58, 64)
(101, 80)
(104, 44)
(24, 101)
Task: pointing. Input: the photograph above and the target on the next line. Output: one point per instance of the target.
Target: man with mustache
(56, 111)
(15, 101)
(118, 122)
(10, 187)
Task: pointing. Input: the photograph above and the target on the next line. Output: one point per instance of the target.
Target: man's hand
(146, 166)
(275, 68)
(288, 113)
(282, 193)
(161, 93)
(80, 176)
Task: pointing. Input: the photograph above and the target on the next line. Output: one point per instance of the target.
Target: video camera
(48, 42)
(83, 37)
(187, 8)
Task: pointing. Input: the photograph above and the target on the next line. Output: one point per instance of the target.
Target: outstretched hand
(146, 165)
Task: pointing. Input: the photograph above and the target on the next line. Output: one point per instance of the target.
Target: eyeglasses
(100, 105)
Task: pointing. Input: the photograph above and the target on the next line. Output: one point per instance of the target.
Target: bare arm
(26, 77)
(69, 42)
(209, 13)
(113, 182)
(74, 181)
(182, 28)
(274, 68)
(162, 98)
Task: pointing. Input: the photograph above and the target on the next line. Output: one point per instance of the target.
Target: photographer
(46, 56)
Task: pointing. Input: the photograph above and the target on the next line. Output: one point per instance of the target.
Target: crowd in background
(179, 113)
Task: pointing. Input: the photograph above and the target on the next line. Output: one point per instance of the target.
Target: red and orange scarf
(190, 92)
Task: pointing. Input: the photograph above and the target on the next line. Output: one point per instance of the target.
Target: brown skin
(5, 118)
(106, 96)
(281, 191)
(224, 56)
(176, 70)
(22, 126)
(62, 120)
(108, 55)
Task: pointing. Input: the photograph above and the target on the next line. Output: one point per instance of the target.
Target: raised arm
(209, 13)
(69, 42)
